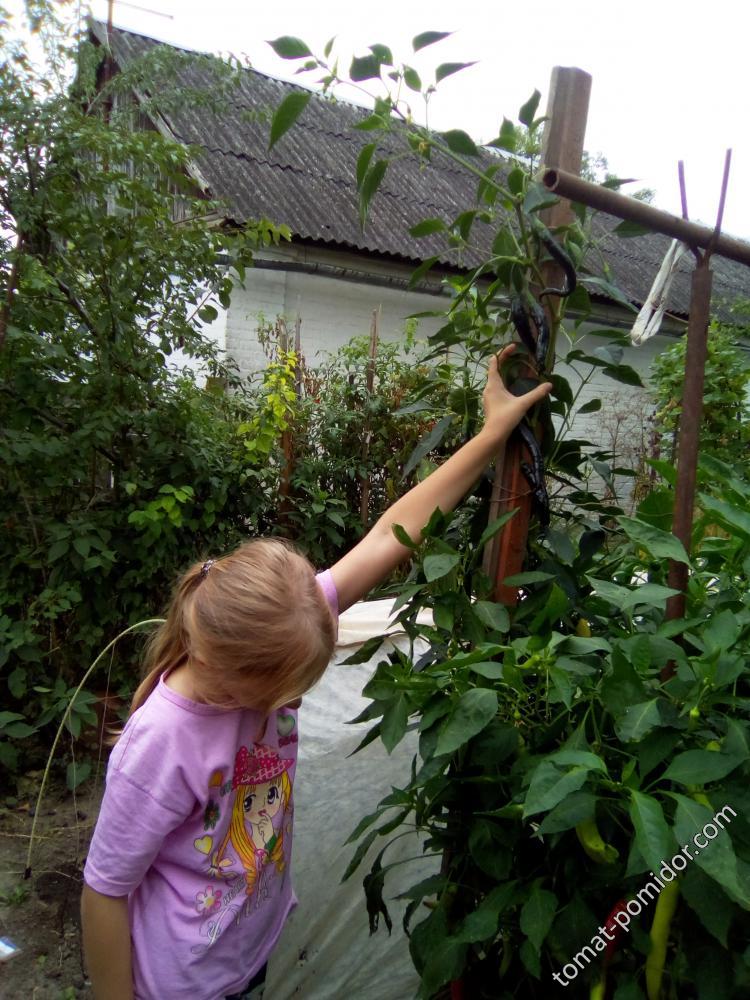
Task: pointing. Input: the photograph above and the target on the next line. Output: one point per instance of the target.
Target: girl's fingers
(537, 394)
(505, 353)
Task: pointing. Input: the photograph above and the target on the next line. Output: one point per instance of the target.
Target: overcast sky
(669, 78)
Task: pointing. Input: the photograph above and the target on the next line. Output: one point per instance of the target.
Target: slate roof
(308, 181)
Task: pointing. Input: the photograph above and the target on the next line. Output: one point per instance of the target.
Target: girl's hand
(502, 410)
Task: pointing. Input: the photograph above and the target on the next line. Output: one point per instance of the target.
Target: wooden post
(370, 380)
(562, 146)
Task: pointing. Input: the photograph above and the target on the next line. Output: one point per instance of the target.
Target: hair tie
(206, 567)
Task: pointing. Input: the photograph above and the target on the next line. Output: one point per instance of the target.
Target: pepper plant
(555, 769)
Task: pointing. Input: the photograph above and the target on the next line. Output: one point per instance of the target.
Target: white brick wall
(332, 312)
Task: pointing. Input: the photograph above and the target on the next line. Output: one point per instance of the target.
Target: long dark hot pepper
(531, 325)
(534, 474)
(561, 258)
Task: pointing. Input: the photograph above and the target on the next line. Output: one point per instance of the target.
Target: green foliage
(725, 427)
(528, 730)
(557, 760)
(347, 441)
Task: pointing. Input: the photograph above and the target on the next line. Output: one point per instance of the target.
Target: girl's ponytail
(168, 646)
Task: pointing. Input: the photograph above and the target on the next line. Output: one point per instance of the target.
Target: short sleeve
(129, 833)
(325, 581)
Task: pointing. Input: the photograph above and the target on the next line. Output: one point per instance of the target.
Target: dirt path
(41, 914)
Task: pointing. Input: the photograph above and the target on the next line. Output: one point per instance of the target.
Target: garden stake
(692, 411)
(58, 734)
(567, 111)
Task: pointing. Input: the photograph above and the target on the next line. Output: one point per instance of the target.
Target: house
(332, 273)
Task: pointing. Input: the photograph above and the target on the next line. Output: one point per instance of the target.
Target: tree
(115, 466)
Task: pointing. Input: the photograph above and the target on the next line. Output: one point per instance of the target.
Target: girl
(187, 882)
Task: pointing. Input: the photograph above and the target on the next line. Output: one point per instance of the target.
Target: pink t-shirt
(196, 829)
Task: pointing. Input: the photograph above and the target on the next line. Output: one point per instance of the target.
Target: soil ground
(40, 914)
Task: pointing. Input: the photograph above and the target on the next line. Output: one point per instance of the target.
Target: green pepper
(599, 989)
(665, 907)
(593, 844)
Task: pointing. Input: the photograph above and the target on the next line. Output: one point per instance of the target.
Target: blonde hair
(243, 844)
(256, 620)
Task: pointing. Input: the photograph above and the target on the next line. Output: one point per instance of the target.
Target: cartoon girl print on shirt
(262, 794)
(261, 816)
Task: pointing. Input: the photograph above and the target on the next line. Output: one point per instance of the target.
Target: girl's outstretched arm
(379, 552)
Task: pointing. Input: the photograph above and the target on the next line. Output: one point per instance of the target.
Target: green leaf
(77, 773)
(637, 720)
(659, 544)
(363, 162)
(370, 184)
(508, 137)
(524, 579)
(537, 915)
(395, 720)
(492, 529)
(58, 549)
(712, 908)
(652, 594)
(402, 535)
(439, 564)
(722, 632)
(491, 614)
(653, 837)
(82, 546)
(364, 68)
(290, 48)
(461, 142)
(528, 110)
(699, 767)
(569, 813)
(580, 758)
(429, 441)
(412, 80)
(482, 924)
(366, 651)
(473, 711)
(428, 38)
(627, 229)
(550, 785)
(448, 69)
(737, 521)
(487, 668)
(610, 291)
(287, 114)
(208, 314)
(538, 197)
(382, 53)
(17, 682)
(362, 848)
(717, 859)
(593, 406)
(622, 685)
(428, 226)
(655, 749)
(419, 272)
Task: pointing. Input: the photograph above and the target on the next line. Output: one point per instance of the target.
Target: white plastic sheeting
(326, 951)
